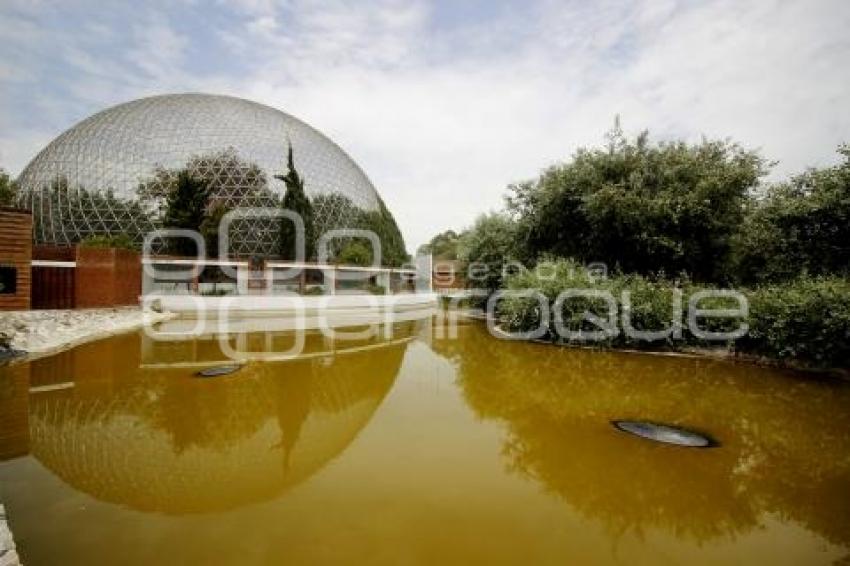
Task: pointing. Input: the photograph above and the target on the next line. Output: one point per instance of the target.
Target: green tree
(486, 248)
(442, 246)
(382, 223)
(230, 178)
(645, 208)
(70, 214)
(8, 189)
(185, 208)
(333, 210)
(802, 226)
(355, 252)
(295, 200)
(338, 211)
(231, 181)
(210, 227)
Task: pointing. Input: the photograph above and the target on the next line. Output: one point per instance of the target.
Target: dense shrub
(651, 304)
(376, 289)
(697, 211)
(799, 227)
(121, 241)
(807, 319)
(355, 252)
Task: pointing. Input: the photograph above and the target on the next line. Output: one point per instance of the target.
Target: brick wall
(16, 253)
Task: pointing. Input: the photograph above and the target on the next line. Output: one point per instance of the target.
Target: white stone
(46, 331)
(8, 552)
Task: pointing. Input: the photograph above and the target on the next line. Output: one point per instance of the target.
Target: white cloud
(158, 50)
(443, 117)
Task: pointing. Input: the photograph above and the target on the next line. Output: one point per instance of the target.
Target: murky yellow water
(418, 449)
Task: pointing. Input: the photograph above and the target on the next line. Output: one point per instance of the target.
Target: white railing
(267, 280)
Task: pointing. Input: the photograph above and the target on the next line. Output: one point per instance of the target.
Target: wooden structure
(107, 277)
(43, 277)
(83, 277)
(53, 277)
(15, 257)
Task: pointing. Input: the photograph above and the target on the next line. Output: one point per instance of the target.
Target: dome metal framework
(109, 174)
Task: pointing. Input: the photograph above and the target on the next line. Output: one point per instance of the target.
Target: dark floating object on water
(218, 370)
(666, 434)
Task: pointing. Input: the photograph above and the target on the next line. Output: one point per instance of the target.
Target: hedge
(807, 320)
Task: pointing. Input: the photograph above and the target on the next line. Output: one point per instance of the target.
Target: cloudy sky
(445, 103)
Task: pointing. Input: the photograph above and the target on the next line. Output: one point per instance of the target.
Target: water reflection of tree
(162, 440)
(784, 452)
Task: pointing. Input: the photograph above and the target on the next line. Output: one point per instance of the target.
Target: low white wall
(281, 306)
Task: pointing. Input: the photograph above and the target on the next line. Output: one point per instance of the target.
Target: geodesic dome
(108, 175)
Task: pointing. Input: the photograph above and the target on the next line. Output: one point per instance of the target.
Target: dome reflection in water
(417, 449)
(145, 433)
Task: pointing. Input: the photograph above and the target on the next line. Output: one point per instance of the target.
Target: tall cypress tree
(297, 201)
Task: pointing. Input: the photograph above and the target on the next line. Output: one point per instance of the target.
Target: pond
(415, 447)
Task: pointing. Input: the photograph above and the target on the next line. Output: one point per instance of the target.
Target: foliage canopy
(640, 207)
(297, 201)
(8, 189)
(185, 208)
(442, 246)
(799, 227)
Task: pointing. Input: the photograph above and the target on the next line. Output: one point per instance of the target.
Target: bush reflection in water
(137, 429)
(785, 442)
